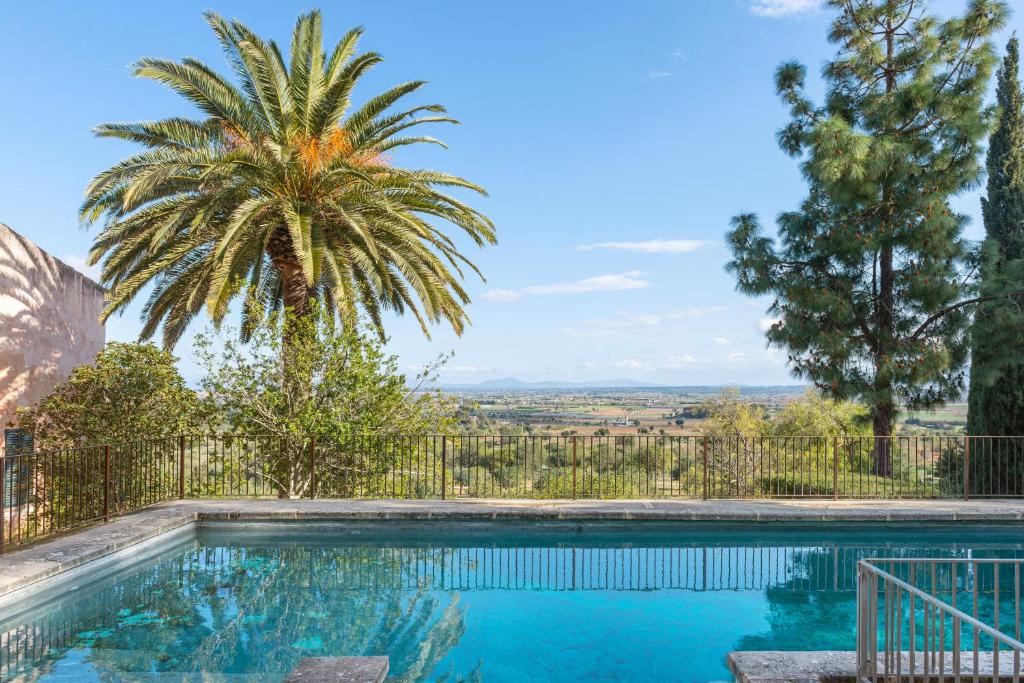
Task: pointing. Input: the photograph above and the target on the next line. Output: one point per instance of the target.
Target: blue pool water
(470, 603)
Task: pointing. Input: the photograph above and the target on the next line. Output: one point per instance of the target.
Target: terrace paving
(22, 571)
(840, 666)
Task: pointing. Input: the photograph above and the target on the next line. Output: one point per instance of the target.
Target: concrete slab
(337, 669)
(840, 666)
(22, 568)
(792, 667)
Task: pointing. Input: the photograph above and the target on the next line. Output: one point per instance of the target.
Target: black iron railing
(52, 491)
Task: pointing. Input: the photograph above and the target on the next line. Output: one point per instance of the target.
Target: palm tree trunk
(298, 299)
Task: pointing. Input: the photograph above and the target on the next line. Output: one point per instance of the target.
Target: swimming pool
(471, 601)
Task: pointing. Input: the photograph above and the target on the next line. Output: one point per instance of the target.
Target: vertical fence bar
(444, 475)
(106, 483)
(312, 466)
(3, 498)
(835, 468)
(574, 466)
(181, 466)
(705, 439)
(967, 467)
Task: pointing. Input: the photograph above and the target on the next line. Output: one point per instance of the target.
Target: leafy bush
(311, 377)
(129, 392)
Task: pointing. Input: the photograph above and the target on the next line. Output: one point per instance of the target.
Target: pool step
(334, 669)
(86, 676)
(828, 666)
(87, 666)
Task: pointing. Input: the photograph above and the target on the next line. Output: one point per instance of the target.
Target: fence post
(835, 468)
(312, 466)
(3, 498)
(967, 467)
(106, 483)
(705, 440)
(574, 466)
(181, 466)
(444, 466)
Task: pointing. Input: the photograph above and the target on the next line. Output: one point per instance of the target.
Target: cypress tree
(996, 398)
(869, 273)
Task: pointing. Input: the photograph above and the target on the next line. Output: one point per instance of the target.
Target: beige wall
(49, 322)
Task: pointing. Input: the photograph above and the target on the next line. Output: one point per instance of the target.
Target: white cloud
(722, 341)
(588, 333)
(468, 369)
(685, 360)
(599, 283)
(766, 323)
(501, 295)
(626, 319)
(680, 55)
(774, 9)
(651, 246)
(78, 262)
(615, 326)
(655, 74)
(633, 364)
(641, 326)
(772, 356)
(695, 312)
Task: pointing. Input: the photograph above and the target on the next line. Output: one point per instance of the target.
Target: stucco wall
(49, 322)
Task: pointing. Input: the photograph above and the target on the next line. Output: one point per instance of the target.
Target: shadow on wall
(49, 322)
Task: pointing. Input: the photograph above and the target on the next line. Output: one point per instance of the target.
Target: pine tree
(996, 399)
(870, 274)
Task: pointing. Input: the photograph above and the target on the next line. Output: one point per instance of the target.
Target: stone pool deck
(21, 569)
(840, 666)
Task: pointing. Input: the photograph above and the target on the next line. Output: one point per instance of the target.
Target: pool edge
(28, 571)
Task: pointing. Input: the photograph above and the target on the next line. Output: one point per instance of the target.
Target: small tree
(814, 414)
(351, 399)
(130, 392)
(128, 405)
(745, 443)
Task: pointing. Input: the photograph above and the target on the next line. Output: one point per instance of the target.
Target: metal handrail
(949, 609)
(934, 611)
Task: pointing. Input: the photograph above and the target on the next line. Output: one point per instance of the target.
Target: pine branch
(938, 315)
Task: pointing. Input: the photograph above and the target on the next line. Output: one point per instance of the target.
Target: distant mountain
(514, 384)
(620, 383)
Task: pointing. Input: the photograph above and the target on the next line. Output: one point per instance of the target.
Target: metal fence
(939, 619)
(51, 491)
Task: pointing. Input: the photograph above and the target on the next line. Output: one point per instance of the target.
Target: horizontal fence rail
(52, 491)
(939, 619)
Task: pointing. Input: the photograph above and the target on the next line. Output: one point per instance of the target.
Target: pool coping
(840, 666)
(779, 666)
(22, 571)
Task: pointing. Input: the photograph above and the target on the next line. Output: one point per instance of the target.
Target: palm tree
(282, 191)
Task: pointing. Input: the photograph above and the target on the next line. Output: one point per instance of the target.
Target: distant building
(49, 322)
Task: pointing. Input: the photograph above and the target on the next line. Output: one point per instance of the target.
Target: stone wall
(49, 322)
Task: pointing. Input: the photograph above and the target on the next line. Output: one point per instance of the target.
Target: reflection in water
(247, 609)
(495, 604)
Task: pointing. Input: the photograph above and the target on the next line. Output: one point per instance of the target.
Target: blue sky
(616, 140)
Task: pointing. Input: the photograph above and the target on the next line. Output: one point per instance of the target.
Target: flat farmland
(618, 412)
